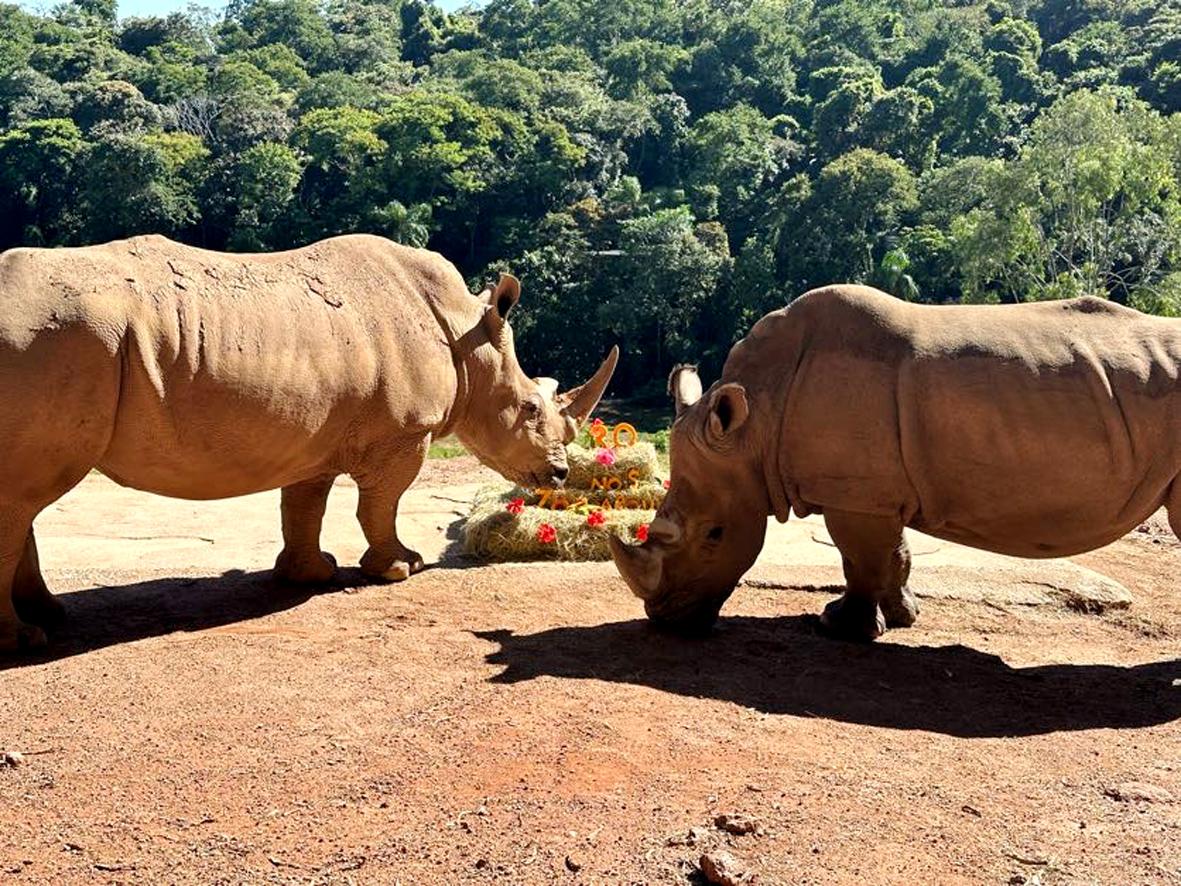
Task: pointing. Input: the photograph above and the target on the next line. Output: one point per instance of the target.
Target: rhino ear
(728, 411)
(503, 297)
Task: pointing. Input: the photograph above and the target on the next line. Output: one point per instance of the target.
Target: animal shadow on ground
(112, 614)
(782, 665)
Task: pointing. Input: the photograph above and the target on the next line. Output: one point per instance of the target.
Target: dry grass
(493, 532)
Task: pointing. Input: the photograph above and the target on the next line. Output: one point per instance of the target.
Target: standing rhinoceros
(204, 375)
(1040, 430)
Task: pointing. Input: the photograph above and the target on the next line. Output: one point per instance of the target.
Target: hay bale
(491, 532)
(632, 463)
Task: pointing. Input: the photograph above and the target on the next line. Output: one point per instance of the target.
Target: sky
(163, 7)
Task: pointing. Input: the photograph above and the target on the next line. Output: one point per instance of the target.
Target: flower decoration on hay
(611, 488)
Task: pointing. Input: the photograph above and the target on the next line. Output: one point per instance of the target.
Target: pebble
(736, 823)
(1139, 791)
(11, 758)
(722, 869)
(573, 864)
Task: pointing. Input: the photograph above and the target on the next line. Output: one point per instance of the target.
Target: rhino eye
(714, 534)
(531, 408)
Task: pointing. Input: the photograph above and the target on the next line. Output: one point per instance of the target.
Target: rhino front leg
(380, 489)
(30, 596)
(877, 566)
(301, 559)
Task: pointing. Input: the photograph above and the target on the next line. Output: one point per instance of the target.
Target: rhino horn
(640, 566)
(579, 402)
(664, 530)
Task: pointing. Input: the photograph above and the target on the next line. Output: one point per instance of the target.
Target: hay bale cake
(610, 489)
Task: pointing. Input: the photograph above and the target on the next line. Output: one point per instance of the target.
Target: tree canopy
(658, 173)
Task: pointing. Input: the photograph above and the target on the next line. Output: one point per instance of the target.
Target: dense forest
(657, 172)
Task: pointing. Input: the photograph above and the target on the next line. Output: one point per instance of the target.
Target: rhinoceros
(1036, 430)
(205, 375)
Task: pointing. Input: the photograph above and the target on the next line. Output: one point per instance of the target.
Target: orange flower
(515, 506)
(546, 534)
(595, 518)
(642, 532)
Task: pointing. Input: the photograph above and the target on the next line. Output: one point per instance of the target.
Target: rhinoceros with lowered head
(205, 375)
(1037, 430)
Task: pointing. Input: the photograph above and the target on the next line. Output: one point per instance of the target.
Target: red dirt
(522, 724)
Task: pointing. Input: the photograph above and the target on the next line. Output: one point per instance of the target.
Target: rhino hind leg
(15, 634)
(877, 565)
(1174, 507)
(301, 560)
(380, 488)
(33, 601)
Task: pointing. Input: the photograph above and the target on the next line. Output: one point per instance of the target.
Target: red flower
(546, 534)
(595, 518)
(642, 532)
(668, 484)
(515, 506)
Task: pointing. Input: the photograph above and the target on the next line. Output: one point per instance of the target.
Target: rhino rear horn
(578, 403)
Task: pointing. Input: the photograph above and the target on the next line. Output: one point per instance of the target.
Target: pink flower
(546, 534)
(595, 518)
(642, 532)
(668, 484)
(598, 422)
(515, 506)
(605, 457)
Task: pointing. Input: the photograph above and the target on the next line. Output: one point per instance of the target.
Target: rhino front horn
(640, 567)
(579, 402)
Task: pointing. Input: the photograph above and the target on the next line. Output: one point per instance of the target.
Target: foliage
(659, 174)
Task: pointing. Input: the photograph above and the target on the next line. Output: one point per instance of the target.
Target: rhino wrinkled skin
(205, 375)
(1039, 430)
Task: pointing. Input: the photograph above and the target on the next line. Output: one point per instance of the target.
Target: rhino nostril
(560, 473)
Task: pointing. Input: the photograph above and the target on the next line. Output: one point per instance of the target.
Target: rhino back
(243, 372)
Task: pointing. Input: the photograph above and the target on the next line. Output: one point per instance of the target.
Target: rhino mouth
(692, 620)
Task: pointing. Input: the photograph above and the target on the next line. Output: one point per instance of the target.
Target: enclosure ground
(196, 723)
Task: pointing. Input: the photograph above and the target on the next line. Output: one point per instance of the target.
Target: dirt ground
(196, 723)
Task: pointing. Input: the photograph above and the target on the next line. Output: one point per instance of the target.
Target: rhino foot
(311, 570)
(900, 610)
(20, 637)
(398, 568)
(854, 618)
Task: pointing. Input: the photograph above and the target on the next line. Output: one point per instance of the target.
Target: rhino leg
(380, 488)
(877, 565)
(32, 599)
(301, 559)
(1174, 507)
(15, 634)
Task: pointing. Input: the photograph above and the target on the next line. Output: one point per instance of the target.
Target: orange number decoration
(599, 431)
(624, 428)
